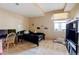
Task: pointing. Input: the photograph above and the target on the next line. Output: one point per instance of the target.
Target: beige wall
(9, 20)
(45, 21)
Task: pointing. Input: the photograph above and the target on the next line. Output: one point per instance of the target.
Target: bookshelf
(72, 40)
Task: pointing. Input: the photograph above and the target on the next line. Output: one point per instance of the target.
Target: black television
(3, 34)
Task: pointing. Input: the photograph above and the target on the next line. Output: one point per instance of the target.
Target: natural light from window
(59, 25)
(60, 16)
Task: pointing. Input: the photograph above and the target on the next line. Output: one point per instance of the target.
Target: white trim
(69, 20)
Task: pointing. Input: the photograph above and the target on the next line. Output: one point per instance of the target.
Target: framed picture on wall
(38, 27)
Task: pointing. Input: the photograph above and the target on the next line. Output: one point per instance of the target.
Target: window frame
(59, 25)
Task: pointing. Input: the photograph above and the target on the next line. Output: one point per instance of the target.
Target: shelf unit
(72, 40)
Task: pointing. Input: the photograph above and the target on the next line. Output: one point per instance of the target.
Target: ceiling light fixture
(60, 16)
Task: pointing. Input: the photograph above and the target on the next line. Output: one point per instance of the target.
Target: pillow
(26, 32)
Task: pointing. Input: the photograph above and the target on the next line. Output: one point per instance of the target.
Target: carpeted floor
(46, 47)
(41, 51)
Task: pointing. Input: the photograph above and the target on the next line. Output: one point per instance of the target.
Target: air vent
(17, 4)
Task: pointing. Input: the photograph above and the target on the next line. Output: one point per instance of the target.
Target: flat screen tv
(3, 34)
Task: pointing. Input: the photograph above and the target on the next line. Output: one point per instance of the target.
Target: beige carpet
(46, 47)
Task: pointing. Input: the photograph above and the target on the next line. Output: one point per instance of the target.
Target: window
(59, 25)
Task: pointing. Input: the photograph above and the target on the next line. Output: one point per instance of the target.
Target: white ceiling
(69, 6)
(33, 10)
(51, 6)
(27, 9)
